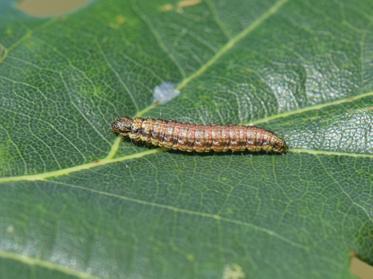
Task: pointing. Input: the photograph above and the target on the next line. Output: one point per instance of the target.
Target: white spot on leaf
(233, 271)
(10, 229)
(165, 92)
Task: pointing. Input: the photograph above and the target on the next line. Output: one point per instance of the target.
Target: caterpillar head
(122, 125)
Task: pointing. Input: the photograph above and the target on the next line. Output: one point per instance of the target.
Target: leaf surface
(76, 202)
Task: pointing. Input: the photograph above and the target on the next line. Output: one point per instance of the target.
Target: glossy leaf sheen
(77, 203)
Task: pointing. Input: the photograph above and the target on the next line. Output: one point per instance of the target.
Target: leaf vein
(232, 43)
(158, 39)
(348, 99)
(31, 261)
(117, 75)
(188, 212)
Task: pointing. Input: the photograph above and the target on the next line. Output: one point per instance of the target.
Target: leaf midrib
(31, 261)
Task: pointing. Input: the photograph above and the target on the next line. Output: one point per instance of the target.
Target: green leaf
(75, 202)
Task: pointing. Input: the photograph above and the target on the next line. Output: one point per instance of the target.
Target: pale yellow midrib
(107, 161)
(30, 261)
(329, 153)
(66, 171)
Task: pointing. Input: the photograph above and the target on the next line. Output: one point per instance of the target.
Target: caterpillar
(198, 138)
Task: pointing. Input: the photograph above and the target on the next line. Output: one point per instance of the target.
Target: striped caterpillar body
(198, 138)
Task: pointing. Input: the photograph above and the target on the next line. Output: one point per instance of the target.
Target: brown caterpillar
(199, 138)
